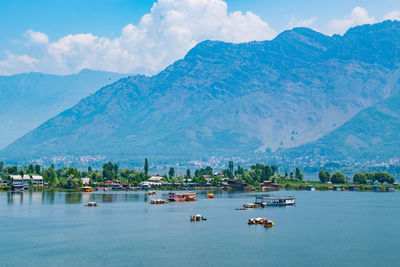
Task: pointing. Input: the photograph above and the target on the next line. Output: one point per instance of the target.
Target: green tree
(73, 172)
(31, 169)
(188, 175)
(1, 166)
(370, 177)
(171, 172)
(108, 170)
(338, 178)
(324, 176)
(89, 169)
(383, 177)
(231, 166)
(360, 178)
(298, 174)
(146, 166)
(228, 173)
(37, 169)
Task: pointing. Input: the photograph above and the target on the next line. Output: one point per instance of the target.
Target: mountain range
(28, 100)
(302, 92)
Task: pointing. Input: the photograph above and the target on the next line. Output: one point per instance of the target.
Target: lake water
(323, 229)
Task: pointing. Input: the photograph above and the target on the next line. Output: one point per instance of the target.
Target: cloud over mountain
(162, 36)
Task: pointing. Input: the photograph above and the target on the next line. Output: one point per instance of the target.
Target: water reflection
(73, 198)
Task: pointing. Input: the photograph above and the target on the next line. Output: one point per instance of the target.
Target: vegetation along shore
(258, 177)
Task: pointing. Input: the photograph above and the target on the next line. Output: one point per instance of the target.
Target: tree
(231, 166)
(291, 175)
(146, 166)
(298, 174)
(1, 166)
(188, 175)
(370, 177)
(37, 169)
(171, 172)
(338, 178)
(73, 172)
(324, 176)
(228, 173)
(89, 169)
(360, 178)
(108, 170)
(383, 177)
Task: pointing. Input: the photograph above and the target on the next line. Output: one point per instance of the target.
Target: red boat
(182, 196)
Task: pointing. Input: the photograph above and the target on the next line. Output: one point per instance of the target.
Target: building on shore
(37, 180)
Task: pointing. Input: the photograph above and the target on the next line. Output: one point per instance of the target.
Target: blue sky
(34, 36)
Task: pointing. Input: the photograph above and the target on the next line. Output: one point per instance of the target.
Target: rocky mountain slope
(227, 99)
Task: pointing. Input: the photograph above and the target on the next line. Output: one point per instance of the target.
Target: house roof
(16, 177)
(155, 178)
(37, 177)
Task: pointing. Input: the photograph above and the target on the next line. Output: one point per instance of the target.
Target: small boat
(150, 193)
(240, 209)
(211, 195)
(188, 196)
(158, 201)
(197, 218)
(257, 220)
(268, 224)
(92, 204)
(250, 206)
(87, 189)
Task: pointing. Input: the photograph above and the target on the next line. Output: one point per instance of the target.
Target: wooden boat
(240, 209)
(268, 224)
(92, 204)
(182, 196)
(87, 189)
(257, 220)
(197, 218)
(250, 206)
(158, 201)
(150, 193)
(211, 195)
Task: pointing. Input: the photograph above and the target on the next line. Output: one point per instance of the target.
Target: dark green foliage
(171, 172)
(1, 166)
(228, 173)
(206, 171)
(360, 178)
(383, 177)
(324, 176)
(188, 175)
(231, 166)
(370, 177)
(338, 178)
(37, 169)
(109, 170)
(146, 166)
(299, 175)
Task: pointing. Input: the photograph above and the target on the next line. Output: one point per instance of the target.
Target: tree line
(358, 178)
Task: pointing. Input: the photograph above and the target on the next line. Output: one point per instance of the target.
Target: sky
(66, 36)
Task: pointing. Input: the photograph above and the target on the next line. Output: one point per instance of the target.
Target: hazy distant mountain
(374, 133)
(27, 100)
(230, 99)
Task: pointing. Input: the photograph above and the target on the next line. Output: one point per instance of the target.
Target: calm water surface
(323, 229)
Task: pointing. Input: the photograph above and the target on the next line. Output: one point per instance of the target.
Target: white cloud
(295, 22)
(392, 15)
(358, 16)
(37, 37)
(162, 36)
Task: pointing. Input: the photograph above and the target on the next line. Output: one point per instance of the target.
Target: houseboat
(17, 187)
(182, 196)
(266, 201)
